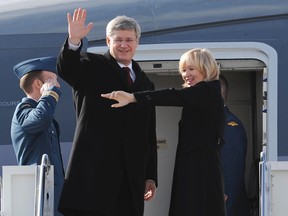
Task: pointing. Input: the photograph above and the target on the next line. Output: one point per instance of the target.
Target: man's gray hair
(123, 23)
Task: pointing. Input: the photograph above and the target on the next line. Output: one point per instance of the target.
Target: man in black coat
(113, 163)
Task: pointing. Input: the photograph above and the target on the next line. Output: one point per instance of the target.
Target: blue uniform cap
(42, 63)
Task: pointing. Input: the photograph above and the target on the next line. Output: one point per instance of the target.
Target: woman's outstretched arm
(123, 98)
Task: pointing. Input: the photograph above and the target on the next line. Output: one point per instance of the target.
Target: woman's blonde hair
(203, 60)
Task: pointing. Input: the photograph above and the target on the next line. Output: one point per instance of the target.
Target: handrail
(262, 182)
(44, 169)
(1, 196)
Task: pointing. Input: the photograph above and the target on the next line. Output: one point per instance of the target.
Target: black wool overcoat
(108, 142)
(197, 182)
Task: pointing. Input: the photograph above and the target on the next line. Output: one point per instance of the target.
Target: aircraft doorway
(245, 99)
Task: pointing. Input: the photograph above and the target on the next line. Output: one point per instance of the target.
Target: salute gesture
(76, 26)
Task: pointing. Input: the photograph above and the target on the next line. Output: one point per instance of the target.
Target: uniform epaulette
(232, 123)
(24, 105)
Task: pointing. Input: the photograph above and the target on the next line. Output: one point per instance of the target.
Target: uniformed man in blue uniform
(233, 160)
(34, 131)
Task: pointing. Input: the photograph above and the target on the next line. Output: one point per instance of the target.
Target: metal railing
(44, 170)
(1, 196)
(263, 183)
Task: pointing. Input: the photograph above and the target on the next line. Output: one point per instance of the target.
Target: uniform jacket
(107, 141)
(197, 182)
(233, 159)
(34, 132)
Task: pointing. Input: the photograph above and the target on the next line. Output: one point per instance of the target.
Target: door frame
(228, 50)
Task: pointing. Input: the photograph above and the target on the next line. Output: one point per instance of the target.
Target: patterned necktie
(129, 79)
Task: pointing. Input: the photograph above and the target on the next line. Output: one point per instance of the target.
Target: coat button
(148, 97)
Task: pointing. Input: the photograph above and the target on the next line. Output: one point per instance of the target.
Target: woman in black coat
(197, 182)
